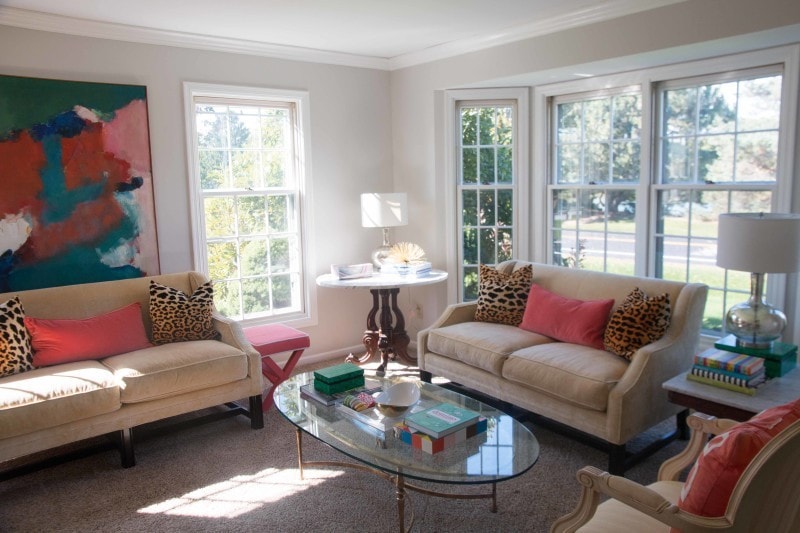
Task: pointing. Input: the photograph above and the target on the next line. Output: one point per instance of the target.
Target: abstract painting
(76, 190)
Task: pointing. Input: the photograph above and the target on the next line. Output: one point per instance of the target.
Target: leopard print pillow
(16, 354)
(177, 317)
(639, 320)
(502, 297)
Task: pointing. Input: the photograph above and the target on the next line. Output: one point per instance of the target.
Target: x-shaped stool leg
(277, 375)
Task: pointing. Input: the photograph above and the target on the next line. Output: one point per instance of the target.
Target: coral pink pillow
(713, 477)
(62, 341)
(565, 319)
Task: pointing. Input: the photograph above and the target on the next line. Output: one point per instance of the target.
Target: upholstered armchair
(765, 498)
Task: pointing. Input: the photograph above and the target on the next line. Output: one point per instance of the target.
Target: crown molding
(34, 20)
(596, 12)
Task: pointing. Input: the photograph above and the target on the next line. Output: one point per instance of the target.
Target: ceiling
(369, 33)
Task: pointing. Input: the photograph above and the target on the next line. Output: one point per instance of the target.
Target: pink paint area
(127, 138)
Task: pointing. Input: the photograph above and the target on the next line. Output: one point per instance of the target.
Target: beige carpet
(225, 476)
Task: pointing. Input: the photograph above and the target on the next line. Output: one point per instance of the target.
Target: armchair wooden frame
(766, 498)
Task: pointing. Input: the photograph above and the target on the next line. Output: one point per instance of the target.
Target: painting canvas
(76, 191)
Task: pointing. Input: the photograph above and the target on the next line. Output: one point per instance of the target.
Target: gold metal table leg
(300, 451)
(401, 501)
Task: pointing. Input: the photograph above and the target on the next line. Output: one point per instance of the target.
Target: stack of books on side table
(440, 427)
(728, 370)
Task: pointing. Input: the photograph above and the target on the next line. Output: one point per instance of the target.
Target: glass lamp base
(755, 324)
(379, 256)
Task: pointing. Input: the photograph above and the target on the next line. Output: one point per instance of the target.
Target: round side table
(389, 334)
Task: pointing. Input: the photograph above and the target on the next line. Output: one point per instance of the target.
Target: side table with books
(724, 403)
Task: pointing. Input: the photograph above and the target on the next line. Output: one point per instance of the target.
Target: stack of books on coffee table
(440, 427)
(728, 370)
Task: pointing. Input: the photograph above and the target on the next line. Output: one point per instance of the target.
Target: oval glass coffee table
(506, 450)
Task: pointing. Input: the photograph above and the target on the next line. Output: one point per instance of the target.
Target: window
(487, 163)
(640, 166)
(718, 151)
(596, 175)
(248, 188)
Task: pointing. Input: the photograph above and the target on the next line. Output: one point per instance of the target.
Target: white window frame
(519, 97)
(788, 57)
(301, 103)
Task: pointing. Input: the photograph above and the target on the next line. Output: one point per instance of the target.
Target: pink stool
(272, 339)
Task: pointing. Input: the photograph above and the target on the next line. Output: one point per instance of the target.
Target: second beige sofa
(591, 390)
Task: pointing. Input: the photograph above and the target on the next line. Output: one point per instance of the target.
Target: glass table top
(506, 450)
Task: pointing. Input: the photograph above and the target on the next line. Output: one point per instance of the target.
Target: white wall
(351, 148)
(379, 131)
(683, 31)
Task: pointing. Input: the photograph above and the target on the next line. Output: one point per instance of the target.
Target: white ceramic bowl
(397, 399)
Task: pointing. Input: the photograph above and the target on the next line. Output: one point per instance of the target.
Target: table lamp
(758, 243)
(383, 210)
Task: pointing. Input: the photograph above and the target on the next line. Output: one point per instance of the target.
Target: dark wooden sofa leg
(617, 456)
(126, 448)
(681, 426)
(425, 376)
(256, 412)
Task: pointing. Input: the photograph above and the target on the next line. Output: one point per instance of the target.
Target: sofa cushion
(172, 369)
(177, 317)
(16, 354)
(502, 297)
(575, 374)
(639, 320)
(49, 397)
(66, 340)
(481, 344)
(716, 472)
(566, 319)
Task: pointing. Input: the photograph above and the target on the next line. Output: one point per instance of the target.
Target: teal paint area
(78, 265)
(60, 203)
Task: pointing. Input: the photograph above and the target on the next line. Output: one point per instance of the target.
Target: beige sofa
(584, 388)
(51, 406)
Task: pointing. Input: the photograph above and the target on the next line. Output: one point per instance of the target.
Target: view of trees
(487, 194)
(249, 204)
(718, 135)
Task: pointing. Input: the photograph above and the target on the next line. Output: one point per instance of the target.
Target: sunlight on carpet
(241, 494)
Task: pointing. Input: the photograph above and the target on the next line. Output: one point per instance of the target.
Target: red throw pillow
(565, 319)
(64, 340)
(711, 480)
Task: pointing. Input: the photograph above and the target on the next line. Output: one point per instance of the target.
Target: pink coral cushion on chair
(57, 341)
(716, 472)
(566, 319)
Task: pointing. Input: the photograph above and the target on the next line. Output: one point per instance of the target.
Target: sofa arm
(231, 333)
(637, 401)
(453, 314)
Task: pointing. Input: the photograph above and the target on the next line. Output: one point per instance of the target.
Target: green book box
(338, 378)
(778, 360)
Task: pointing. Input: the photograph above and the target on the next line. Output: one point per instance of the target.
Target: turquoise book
(442, 419)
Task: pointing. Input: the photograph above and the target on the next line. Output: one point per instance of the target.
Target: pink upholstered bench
(272, 339)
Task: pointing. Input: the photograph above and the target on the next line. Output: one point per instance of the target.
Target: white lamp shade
(383, 210)
(759, 242)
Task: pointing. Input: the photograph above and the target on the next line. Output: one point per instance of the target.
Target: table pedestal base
(390, 337)
(400, 484)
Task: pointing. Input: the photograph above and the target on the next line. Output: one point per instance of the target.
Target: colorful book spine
(730, 361)
(721, 384)
(430, 445)
(735, 378)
